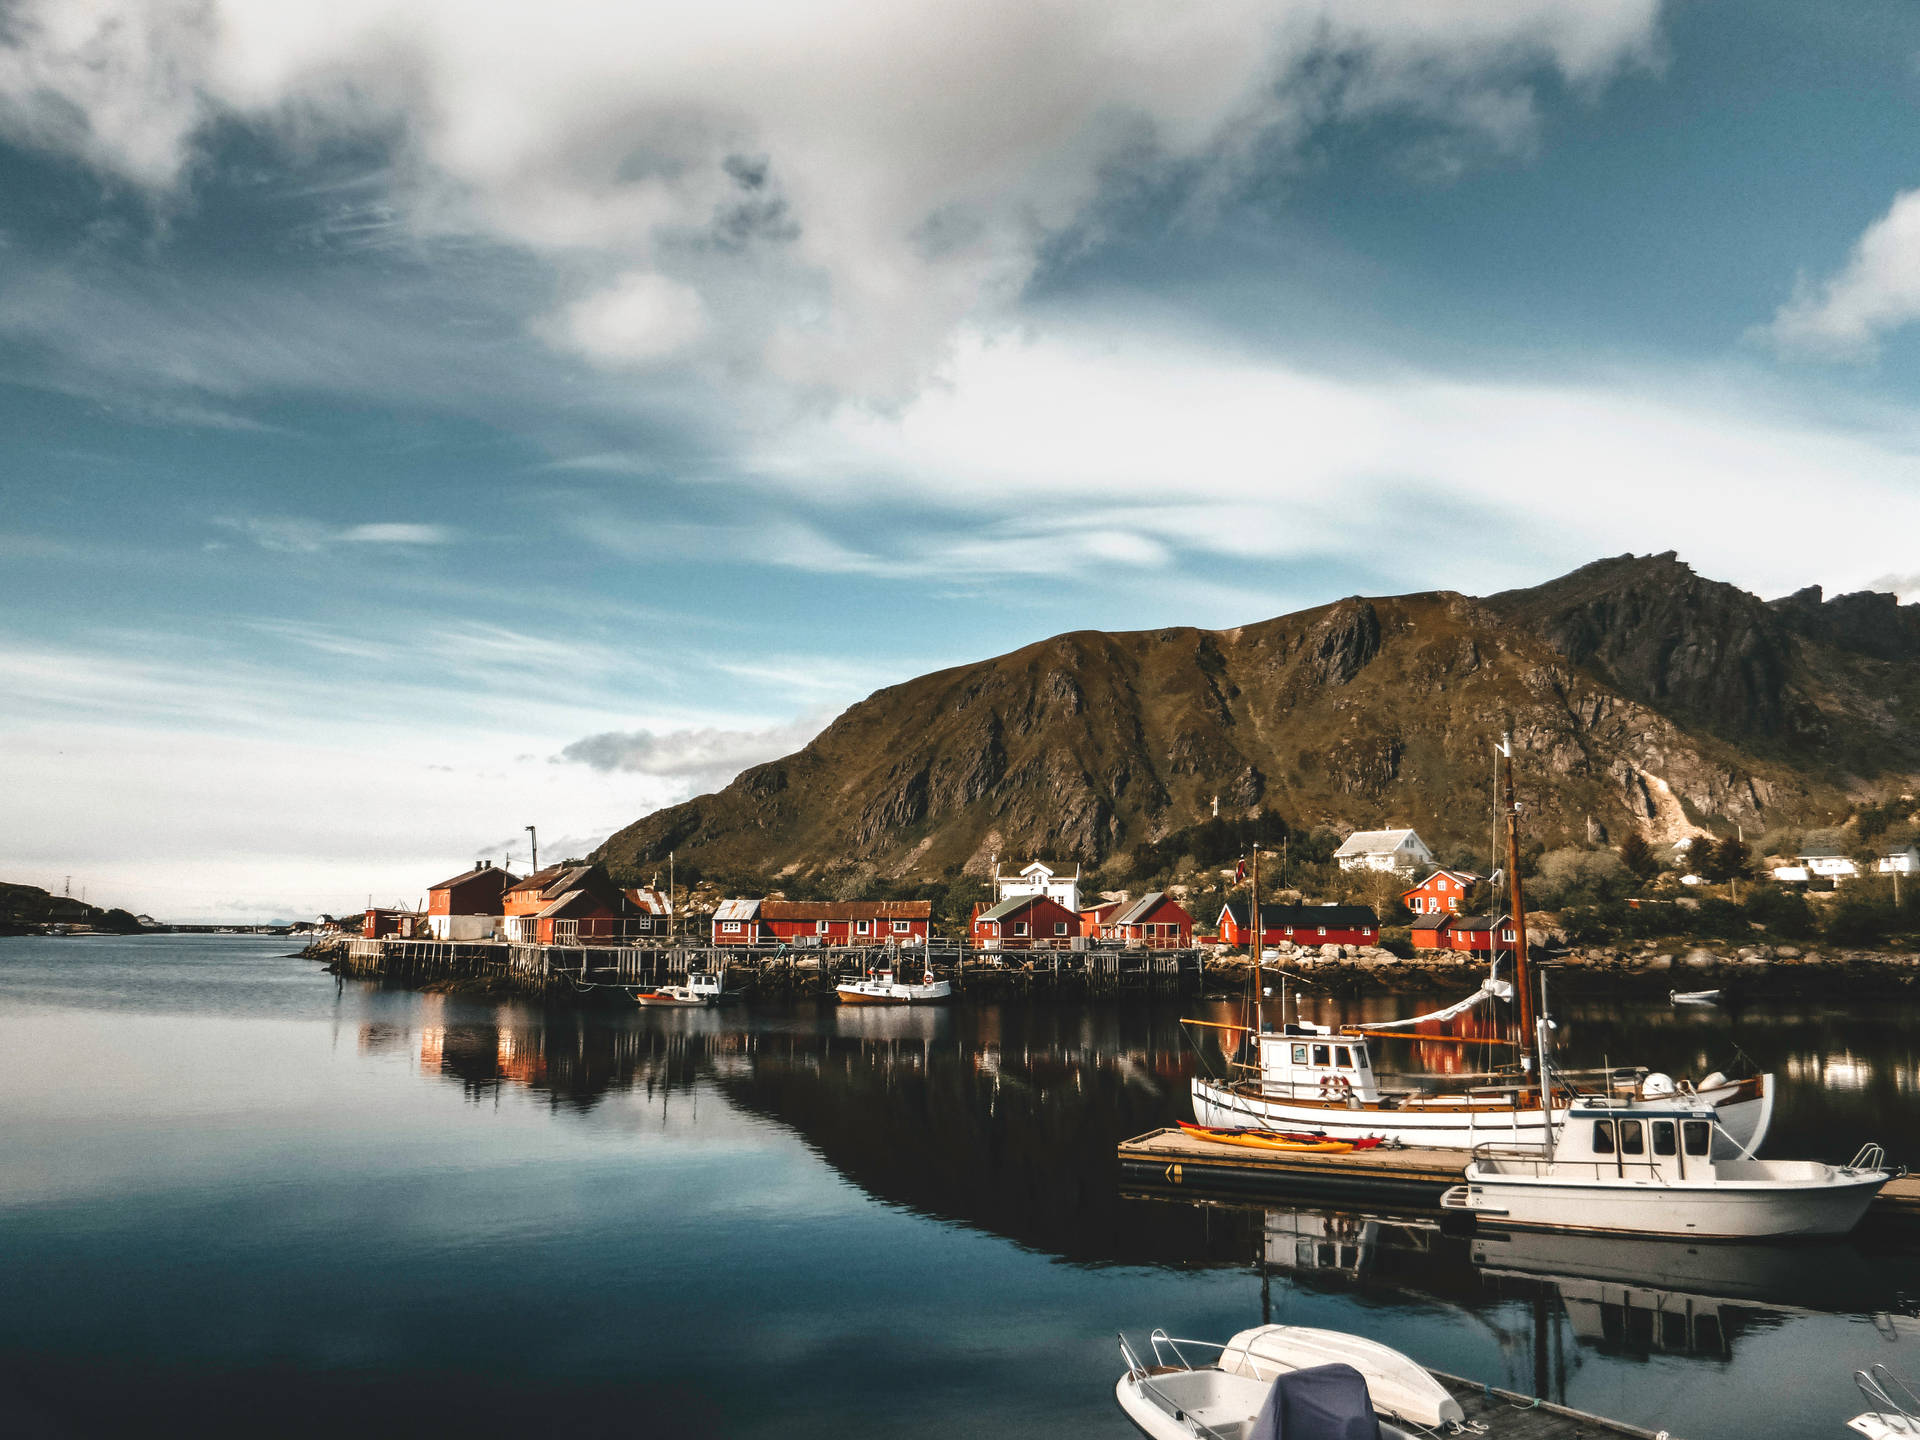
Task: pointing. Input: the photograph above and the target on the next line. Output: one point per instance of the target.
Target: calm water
(238, 1196)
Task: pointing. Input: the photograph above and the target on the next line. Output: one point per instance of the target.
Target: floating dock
(1410, 1178)
(1508, 1415)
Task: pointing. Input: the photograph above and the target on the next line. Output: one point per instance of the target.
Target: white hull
(1454, 1123)
(892, 992)
(1724, 1211)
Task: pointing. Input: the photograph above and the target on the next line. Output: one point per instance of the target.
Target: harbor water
(238, 1195)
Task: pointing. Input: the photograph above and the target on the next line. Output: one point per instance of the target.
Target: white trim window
(1019, 927)
(1059, 927)
(731, 927)
(820, 927)
(863, 927)
(903, 927)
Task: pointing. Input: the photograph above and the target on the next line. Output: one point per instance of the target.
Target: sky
(423, 420)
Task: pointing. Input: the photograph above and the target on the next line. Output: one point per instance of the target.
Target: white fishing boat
(1307, 1077)
(701, 988)
(1895, 1412)
(884, 987)
(1323, 1375)
(1311, 1078)
(1615, 1169)
(1694, 997)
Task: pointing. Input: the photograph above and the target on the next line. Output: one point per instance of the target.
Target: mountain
(1639, 694)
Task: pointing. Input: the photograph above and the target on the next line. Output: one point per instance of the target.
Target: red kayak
(1302, 1137)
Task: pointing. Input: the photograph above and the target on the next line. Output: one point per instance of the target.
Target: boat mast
(1522, 977)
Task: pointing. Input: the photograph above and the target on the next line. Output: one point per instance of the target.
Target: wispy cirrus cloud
(291, 534)
(703, 759)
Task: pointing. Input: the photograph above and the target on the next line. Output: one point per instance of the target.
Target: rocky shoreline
(1773, 970)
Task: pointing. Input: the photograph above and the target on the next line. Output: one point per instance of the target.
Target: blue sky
(422, 420)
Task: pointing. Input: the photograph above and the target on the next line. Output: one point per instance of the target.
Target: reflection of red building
(1301, 924)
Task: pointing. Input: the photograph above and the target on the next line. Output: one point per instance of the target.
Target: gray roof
(1139, 909)
(737, 910)
(1374, 842)
(1015, 903)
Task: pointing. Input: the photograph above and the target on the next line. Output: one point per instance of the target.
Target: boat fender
(1717, 1078)
(1656, 1086)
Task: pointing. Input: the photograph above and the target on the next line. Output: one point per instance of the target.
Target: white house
(1392, 850)
(1828, 864)
(1899, 862)
(1039, 878)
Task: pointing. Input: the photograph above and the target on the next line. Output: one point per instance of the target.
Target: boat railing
(1143, 1375)
(1888, 1395)
(1514, 1159)
(1870, 1157)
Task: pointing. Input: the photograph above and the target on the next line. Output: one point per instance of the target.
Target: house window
(863, 927)
(819, 927)
(1019, 927)
(732, 927)
(1323, 929)
(1059, 927)
(903, 927)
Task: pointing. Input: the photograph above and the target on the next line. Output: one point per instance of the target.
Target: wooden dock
(1412, 1179)
(1508, 1415)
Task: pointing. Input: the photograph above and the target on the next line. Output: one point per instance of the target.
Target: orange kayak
(1270, 1140)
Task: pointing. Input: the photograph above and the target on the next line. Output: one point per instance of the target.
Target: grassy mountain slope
(1639, 694)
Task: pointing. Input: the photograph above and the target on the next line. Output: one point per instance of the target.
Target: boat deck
(1511, 1416)
(1411, 1178)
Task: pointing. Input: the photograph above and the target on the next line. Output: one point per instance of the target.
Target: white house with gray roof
(1395, 851)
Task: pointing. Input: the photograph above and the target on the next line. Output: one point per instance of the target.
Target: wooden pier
(610, 969)
(1407, 1179)
(1508, 1415)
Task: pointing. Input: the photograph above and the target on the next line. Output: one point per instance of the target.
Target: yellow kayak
(1263, 1140)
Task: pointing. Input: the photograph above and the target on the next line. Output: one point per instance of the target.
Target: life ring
(1335, 1085)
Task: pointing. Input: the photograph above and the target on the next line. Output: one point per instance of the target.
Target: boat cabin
(1305, 1063)
(1666, 1147)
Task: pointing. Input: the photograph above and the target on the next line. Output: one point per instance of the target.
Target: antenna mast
(1522, 975)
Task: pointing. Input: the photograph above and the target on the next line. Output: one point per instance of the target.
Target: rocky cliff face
(1639, 694)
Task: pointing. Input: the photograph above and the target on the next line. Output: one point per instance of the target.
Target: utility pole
(533, 839)
(672, 909)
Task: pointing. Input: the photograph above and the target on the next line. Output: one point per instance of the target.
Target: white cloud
(1143, 447)
(704, 759)
(835, 186)
(640, 319)
(292, 534)
(1876, 291)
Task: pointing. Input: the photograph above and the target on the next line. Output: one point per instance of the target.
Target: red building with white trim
(1156, 921)
(1442, 892)
(1026, 922)
(1300, 924)
(847, 922)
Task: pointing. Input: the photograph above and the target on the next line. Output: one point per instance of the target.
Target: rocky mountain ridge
(1640, 695)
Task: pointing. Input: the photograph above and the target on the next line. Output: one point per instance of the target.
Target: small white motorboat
(1895, 1412)
(1291, 1373)
(1651, 1172)
(701, 988)
(1694, 997)
(883, 987)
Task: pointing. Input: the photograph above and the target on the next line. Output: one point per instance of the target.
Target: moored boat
(701, 988)
(1342, 1378)
(1652, 1172)
(884, 987)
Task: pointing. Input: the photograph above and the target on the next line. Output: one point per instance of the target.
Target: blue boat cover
(1322, 1402)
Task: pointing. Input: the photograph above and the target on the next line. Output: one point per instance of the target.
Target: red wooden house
(1156, 921)
(569, 905)
(1026, 922)
(737, 922)
(847, 922)
(1482, 936)
(1094, 919)
(1300, 924)
(1440, 893)
(379, 924)
(464, 907)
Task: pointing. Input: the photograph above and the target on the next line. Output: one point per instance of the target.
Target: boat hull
(1721, 1211)
(1744, 1109)
(863, 993)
